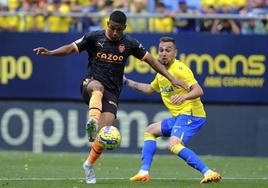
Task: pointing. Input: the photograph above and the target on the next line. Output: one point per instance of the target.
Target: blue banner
(230, 68)
(59, 126)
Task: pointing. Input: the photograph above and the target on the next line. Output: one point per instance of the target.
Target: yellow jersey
(161, 25)
(59, 24)
(162, 85)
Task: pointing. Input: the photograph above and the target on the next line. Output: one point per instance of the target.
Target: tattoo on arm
(136, 86)
(141, 87)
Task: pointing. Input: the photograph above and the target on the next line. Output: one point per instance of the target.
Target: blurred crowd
(36, 15)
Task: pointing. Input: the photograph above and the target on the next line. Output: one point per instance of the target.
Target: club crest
(121, 48)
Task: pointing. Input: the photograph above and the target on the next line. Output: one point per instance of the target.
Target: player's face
(167, 52)
(115, 30)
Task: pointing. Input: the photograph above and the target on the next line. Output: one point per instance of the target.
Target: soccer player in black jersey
(107, 51)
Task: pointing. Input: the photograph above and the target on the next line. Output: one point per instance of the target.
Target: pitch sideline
(73, 178)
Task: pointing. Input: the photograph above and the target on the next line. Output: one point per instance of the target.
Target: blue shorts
(182, 126)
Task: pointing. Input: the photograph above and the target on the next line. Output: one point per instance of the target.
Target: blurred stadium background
(225, 43)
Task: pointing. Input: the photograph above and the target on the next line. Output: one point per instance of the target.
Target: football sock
(95, 105)
(190, 157)
(148, 151)
(143, 172)
(95, 152)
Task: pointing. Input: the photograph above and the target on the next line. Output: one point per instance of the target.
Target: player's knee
(173, 142)
(149, 133)
(170, 146)
(95, 86)
(149, 129)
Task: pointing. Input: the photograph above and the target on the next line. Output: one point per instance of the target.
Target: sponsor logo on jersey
(166, 89)
(110, 57)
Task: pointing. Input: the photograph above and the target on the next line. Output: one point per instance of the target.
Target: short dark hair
(118, 17)
(168, 39)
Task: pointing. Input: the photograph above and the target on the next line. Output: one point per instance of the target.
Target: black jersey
(107, 58)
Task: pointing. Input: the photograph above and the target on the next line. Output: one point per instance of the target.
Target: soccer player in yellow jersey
(186, 109)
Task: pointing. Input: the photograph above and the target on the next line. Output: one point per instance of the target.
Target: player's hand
(42, 51)
(177, 99)
(180, 84)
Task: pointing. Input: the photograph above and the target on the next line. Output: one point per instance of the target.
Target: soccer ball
(109, 137)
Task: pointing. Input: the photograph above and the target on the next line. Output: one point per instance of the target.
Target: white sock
(143, 172)
(86, 162)
(207, 172)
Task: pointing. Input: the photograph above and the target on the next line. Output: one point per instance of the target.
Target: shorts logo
(113, 103)
(85, 82)
(176, 128)
(121, 48)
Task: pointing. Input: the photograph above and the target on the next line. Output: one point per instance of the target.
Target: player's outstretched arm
(61, 51)
(141, 87)
(195, 92)
(162, 70)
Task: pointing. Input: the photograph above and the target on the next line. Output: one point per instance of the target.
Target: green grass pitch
(49, 170)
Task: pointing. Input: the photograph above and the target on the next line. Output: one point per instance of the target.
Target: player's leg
(92, 92)
(148, 151)
(184, 128)
(96, 89)
(107, 117)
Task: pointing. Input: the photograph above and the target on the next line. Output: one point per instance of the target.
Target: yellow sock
(148, 136)
(177, 148)
(95, 105)
(95, 152)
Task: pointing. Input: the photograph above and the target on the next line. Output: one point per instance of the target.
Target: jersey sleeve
(154, 85)
(85, 42)
(138, 50)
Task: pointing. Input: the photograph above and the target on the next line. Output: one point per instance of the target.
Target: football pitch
(49, 170)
